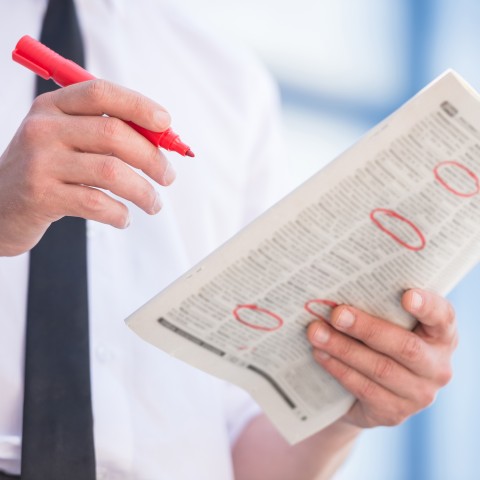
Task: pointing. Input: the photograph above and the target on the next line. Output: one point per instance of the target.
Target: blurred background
(341, 67)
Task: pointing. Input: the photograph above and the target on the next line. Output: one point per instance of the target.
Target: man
(156, 418)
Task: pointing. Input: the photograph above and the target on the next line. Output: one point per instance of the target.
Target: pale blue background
(342, 66)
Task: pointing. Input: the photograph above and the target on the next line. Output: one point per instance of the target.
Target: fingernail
(346, 319)
(157, 205)
(127, 221)
(169, 174)
(416, 301)
(162, 120)
(321, 335)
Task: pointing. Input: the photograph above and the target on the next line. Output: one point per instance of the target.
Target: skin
(66, 149)
(393, 373)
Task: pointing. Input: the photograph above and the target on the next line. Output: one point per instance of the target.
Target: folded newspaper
(399, 209)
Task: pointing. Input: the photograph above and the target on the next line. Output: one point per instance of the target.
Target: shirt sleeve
(240, 409)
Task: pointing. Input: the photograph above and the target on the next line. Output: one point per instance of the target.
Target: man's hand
(392, 372)
(67, 151)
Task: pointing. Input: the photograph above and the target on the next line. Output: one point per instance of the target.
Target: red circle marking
(391, 213)
(444, 184)
(255, 308)
(329, 303)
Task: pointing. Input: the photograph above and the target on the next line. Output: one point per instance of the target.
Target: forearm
(262, 454)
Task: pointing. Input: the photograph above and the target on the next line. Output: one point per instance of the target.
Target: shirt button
(103, 353)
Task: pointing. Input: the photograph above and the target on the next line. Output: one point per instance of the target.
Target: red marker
(48, 64)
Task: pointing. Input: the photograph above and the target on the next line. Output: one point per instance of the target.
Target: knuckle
(371, 332)
(412, 348)
(426, 397)
(342, 373)
(108, 169)
(38, 103)
(383, 368)
(146, 196)
(395, 418)
(345, 349)
(138, 105)
(42, 101)
(152, 157)
(110, 127)
(444, 376)
(34, 127)
(367, 390)
(119, 216)
(93, 200)
(97, 90)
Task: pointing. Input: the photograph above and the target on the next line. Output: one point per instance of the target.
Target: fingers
(107, 135)
(61, 162)
(99, 97)
(91, 204)
(387, 338)
(391, 371)
(87, 129)
(109, 173)
(379, 368)
(435, 313)
(51, 197)
(66, 149)
(376, 405)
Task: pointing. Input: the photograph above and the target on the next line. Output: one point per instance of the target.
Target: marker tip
(189, 153)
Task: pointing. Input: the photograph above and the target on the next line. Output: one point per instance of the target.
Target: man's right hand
(67, 149)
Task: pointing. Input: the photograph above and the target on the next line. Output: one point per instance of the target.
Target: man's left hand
(393, 372)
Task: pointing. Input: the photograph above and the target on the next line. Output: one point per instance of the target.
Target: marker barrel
(50, 65)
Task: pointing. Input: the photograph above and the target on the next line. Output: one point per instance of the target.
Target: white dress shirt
(155, 417)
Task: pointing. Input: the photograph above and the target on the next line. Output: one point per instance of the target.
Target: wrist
(342, 429)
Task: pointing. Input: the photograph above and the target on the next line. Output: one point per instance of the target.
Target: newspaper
(400, 209)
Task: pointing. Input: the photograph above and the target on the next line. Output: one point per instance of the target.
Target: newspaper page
(400, 209)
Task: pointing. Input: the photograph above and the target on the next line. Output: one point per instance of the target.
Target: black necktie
(57, 439)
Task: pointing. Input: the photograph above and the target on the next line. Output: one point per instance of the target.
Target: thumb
(435, 314)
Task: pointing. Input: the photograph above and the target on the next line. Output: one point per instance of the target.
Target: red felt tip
(189, 153)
